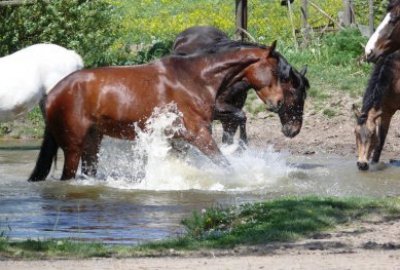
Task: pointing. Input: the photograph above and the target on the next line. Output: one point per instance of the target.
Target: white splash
(150, 163)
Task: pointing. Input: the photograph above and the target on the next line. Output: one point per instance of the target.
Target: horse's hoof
(363, 166)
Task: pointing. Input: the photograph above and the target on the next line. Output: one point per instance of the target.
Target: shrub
(89, 27)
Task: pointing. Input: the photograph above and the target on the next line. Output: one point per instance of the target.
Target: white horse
(29, 74)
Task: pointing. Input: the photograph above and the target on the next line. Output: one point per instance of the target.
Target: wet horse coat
(89, 104)
(229, 103)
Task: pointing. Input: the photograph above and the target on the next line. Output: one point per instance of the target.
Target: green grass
(281, 220)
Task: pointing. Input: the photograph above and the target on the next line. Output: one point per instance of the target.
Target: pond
(133, 201)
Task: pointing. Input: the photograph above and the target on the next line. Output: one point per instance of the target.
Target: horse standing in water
(29, 74)
(386, 38)
(381, 100)
(229, 103)
(92, 103)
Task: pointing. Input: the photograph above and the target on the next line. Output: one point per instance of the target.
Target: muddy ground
(321, 134)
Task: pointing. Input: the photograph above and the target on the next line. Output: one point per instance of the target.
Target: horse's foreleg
(382, 132)
(231, 120)
(72, 156)
(90, 151)
(229, 129)
(243, 132)
(202, 139)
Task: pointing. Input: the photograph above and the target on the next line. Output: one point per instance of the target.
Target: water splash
(151, 163)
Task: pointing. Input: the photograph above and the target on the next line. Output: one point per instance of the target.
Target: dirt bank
(320, 134)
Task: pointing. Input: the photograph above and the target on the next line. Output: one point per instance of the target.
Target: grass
(281, 220)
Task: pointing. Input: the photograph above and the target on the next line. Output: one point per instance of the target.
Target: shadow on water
(119, 209)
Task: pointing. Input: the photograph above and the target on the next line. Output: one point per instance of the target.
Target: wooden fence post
(348, 18)
(371, 17)
(305, 26)
(241, 18)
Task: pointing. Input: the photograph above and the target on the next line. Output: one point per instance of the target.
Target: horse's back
(196, 38)
(28, 74)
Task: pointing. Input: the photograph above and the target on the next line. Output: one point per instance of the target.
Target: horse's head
(386, 38)
(291, 112)
(265, 77)
(367, 137)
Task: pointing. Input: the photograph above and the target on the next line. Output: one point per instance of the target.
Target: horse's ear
(273, 46)
(303, 71)
(356, 111)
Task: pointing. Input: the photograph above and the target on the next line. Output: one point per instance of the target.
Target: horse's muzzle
(291, 131)
(363, 166)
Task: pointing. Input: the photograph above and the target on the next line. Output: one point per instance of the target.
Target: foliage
(344, 46)
(146, 21)
(89, 27)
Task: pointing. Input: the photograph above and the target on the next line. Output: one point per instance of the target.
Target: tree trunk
(305, 26)
(348, 18)
(241, 18)
(371, 17)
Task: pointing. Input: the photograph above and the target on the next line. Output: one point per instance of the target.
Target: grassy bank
(282, 220)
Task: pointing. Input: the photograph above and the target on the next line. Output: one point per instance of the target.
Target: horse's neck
(224, 69)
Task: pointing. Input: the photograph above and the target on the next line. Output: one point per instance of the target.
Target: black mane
(379, 82)
(225, 45)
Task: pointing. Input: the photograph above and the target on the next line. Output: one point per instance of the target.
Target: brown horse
(386, 38)
(229, 104)
(381, 100)
(92, 103)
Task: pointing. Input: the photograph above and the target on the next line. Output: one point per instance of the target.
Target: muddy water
(132, 201)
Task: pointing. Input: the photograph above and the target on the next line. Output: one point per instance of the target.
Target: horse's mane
(392, 4)
(379, 82)
(225, 45)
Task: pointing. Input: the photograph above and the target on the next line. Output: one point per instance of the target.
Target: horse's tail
(47, 154)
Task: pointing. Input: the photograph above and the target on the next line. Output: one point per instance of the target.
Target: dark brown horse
(381, 100)
(229, 104)
(92, 103)
(386, 38)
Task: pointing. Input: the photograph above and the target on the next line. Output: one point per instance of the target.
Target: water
(143, 191)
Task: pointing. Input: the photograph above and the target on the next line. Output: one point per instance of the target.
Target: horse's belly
(18, 97)
(121, 130)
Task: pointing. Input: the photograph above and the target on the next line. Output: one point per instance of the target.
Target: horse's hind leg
(72, 156)
(90, 151)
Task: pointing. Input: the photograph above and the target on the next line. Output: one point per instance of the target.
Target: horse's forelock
(362, 119)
